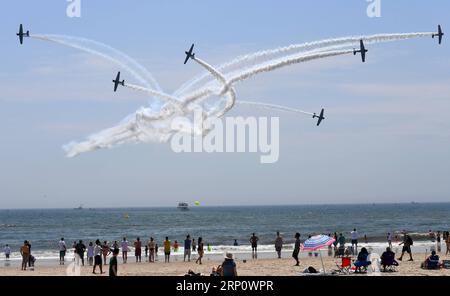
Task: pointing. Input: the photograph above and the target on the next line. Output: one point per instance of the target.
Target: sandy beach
(260, 267)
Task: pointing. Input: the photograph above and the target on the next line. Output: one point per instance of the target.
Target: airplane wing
(187, 59)
(363, 51)
(116, 82)
(20, 34)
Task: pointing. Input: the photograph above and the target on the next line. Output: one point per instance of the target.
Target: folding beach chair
(346, 265)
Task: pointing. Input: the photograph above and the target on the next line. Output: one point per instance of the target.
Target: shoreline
(260, 267)
(46, 257)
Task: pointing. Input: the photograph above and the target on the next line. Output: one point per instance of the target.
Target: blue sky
(386, 137)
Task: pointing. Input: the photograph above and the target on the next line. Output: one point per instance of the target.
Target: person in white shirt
(62, 251)
(354, 235)
(124, 250)
(7, 251)
(90, 253)
(98, 256)
(389, 239)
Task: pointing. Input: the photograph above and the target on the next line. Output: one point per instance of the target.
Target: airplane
(362, 50)
(21, 34)
(320, 117)
(439, 34)
(117, 82)
(189, 54)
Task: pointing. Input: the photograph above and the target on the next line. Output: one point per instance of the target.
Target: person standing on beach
(146, 252)
(407, 243)
(167, 246)
(74, 247)
(106, 250)
(194, 245)
(25, 252)
(80, 249)
(432, 235)
(235, 243)
(175, 247)
(438, 241)
(278, 244)
(151, 248)
(296, 249)
(124, 246)
(187, 248)
(254, 242)
(115, 245)
(447, 242)
(7, 251)
(200, 250)
(113, 263)
(90, 253)
(30, 257)
(354, 234)
(97, 256)
(138, 249)
(389, 240)
(62, 251)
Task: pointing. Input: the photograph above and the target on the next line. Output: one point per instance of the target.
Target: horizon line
(233, 206)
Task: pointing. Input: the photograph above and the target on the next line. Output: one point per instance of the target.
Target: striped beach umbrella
(317, 242)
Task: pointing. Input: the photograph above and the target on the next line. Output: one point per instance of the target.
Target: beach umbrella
(317, 242)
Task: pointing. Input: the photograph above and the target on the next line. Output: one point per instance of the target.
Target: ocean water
(219, 226)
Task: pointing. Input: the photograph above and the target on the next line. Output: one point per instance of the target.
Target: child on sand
(176, 247)
(194, 245)
(7, 251)
(113, 263)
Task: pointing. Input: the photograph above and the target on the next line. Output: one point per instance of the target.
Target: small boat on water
(79, 208)
(184, 206)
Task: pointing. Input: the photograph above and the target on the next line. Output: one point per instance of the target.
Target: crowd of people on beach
(96, 253)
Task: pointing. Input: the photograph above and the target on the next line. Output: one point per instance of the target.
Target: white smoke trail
(273, 107)
(221, 78)
(108, 53)
(227, 89)
(327, 44)
(211, 70)
(159, 129)
(267, 67)
(155, 93)
(285, 62)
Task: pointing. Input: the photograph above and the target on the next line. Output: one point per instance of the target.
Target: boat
(184, 206)
(79, 208)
